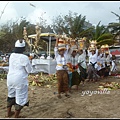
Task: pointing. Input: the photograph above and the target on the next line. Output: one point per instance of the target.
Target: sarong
(70, 80)
(83, 72)
(107, 70)
(62, 77)
(75, 78)
(92, 73)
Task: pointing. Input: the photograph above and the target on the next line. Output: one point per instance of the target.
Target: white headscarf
(20, 43)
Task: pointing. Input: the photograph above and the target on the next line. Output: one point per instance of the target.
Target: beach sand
(45, 104)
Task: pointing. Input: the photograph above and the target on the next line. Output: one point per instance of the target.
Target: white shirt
(108, 59)
(19, 68)
(99, 60)
(92, 58)
(82, 60)
(60, 60)
(103, 61)
(68, 54)
(74, 61)
(113, 67)
(68, 60)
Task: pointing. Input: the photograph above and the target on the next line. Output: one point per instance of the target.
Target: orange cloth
(74, 67)
(70, 67)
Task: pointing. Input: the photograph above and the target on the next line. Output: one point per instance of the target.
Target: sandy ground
(45, 104)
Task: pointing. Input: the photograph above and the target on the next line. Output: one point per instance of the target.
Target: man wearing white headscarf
(17, 79)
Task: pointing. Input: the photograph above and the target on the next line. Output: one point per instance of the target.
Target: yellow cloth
(69, 65)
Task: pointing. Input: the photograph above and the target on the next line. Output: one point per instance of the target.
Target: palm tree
(73, 25)
(102, 35)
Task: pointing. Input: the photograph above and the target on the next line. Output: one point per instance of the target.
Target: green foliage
(114, 28)
(2, 34)
(3, 76)
(102, 35)
(73, 25)
(12, 31)
(105, 36)
(105, 41)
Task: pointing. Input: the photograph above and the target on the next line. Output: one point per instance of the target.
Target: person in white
(113, 68)
(62, 74)
(93, 54)
(108, 58)
(5, 58)
(82, 65)
(82, 58)
(102, 65)
(68, 61)
(92, 74)
(98, 65)
(17, 79)
(76, 72)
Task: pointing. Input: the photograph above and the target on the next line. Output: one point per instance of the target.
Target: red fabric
(76, 67)
(115, 74)
(116, 52)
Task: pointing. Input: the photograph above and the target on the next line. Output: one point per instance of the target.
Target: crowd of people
(73, 68)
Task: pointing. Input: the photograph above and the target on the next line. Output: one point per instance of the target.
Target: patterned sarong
(83, 72)
(62, 77)
(92, 73)
(75, 78)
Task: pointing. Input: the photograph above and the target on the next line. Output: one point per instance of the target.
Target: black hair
(19, 49)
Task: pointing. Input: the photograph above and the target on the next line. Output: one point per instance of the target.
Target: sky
(95, 11)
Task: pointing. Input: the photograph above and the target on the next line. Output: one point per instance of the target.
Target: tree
(73, 25)
(102, 35)
(6, 38)
(114, 29)
(10, 32)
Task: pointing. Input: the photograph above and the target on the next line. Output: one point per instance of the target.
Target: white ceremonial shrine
(42, 64)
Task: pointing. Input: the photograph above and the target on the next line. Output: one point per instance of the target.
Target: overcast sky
(94, 11)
